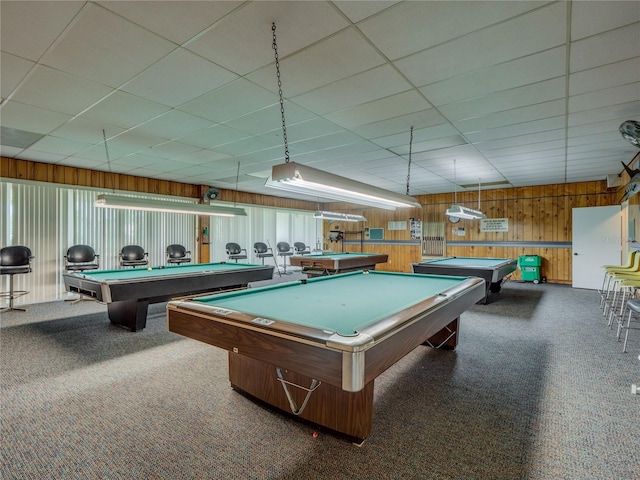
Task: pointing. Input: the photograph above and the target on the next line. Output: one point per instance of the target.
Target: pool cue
(274, 259)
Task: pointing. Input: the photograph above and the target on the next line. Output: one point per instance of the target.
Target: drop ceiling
(513, 93)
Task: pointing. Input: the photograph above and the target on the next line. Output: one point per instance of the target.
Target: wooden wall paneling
(535, 214)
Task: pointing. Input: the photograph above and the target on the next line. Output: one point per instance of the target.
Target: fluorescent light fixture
(346, 217)
(305, 180)
(464, 212)
(132, 203)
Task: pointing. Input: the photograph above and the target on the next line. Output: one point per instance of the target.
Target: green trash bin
(530, 267)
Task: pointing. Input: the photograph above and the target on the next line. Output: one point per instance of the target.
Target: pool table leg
(447, 338)
(349, 413)
(131, 314)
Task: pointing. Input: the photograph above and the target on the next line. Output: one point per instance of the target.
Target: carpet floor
(538, 388)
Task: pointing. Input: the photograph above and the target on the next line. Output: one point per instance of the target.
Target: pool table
(319, 264)
(493, 270)
(313, 348)
(128, 292)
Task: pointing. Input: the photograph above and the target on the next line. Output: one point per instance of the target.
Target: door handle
(575, 254)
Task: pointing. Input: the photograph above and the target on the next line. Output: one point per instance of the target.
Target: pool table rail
(128, 293)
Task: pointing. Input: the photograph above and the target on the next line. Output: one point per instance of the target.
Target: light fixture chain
(409, 166)
(284, 125)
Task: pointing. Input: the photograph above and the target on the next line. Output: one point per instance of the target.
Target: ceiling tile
(36, 156)
(14, 70)
(10, 152)
(516, 73)
(436, 144)
(627, 110)
(298, 24)
(12, 137)
(173, 124)
(605, 97)
(591, 18)
(177, 21)
(505, 154)
(401, 124)
(172, 150)
(509, 99)
(213, 136)
(606, 48)
(270, 118)
(503, 42)
(136, 141)
(86, 131)
(60, 146)
(27, 29)
(357, 11)
(426, 24)
(79, 162)
(231, 101)
(106, 55)
(244, 146)
(419, 135)
(315, 127)
(73, 94)
(538, 111)
(612, 75)
(165, 81)
(507, 131)
(201, 157)
(124, 110)
(32, 119)
(382, 109)
(321, 64)
(98, 153)
(381, 82)
(535, 138)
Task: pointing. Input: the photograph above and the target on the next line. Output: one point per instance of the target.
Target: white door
(597, 241)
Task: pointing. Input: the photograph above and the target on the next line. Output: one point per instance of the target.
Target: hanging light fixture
(132, 203)
(122, 202)
(301, 179)
(345, 217)
(458, 211)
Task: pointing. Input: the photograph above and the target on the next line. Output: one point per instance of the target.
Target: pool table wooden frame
(346, 366)
(128, 298)
(333, 263)
(492, 274)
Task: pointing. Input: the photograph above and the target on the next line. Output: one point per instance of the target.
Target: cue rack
(338, 236)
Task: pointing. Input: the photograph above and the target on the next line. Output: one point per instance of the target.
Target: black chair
(262, 251)
(177, 255)
(301, 249)
(284, 250)
(78, 259)
(133, 256)
(234, 252)
(14, 260)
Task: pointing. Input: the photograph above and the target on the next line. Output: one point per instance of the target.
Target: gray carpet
(538, 388)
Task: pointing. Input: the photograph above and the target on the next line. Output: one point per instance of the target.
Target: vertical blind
(50, 218)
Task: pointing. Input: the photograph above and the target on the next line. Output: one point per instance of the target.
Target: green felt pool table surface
(344, 303)
(481, 262)
(338, 255)
(319, 264)
(155, 272)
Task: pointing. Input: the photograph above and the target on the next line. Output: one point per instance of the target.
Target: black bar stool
(14, 260)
